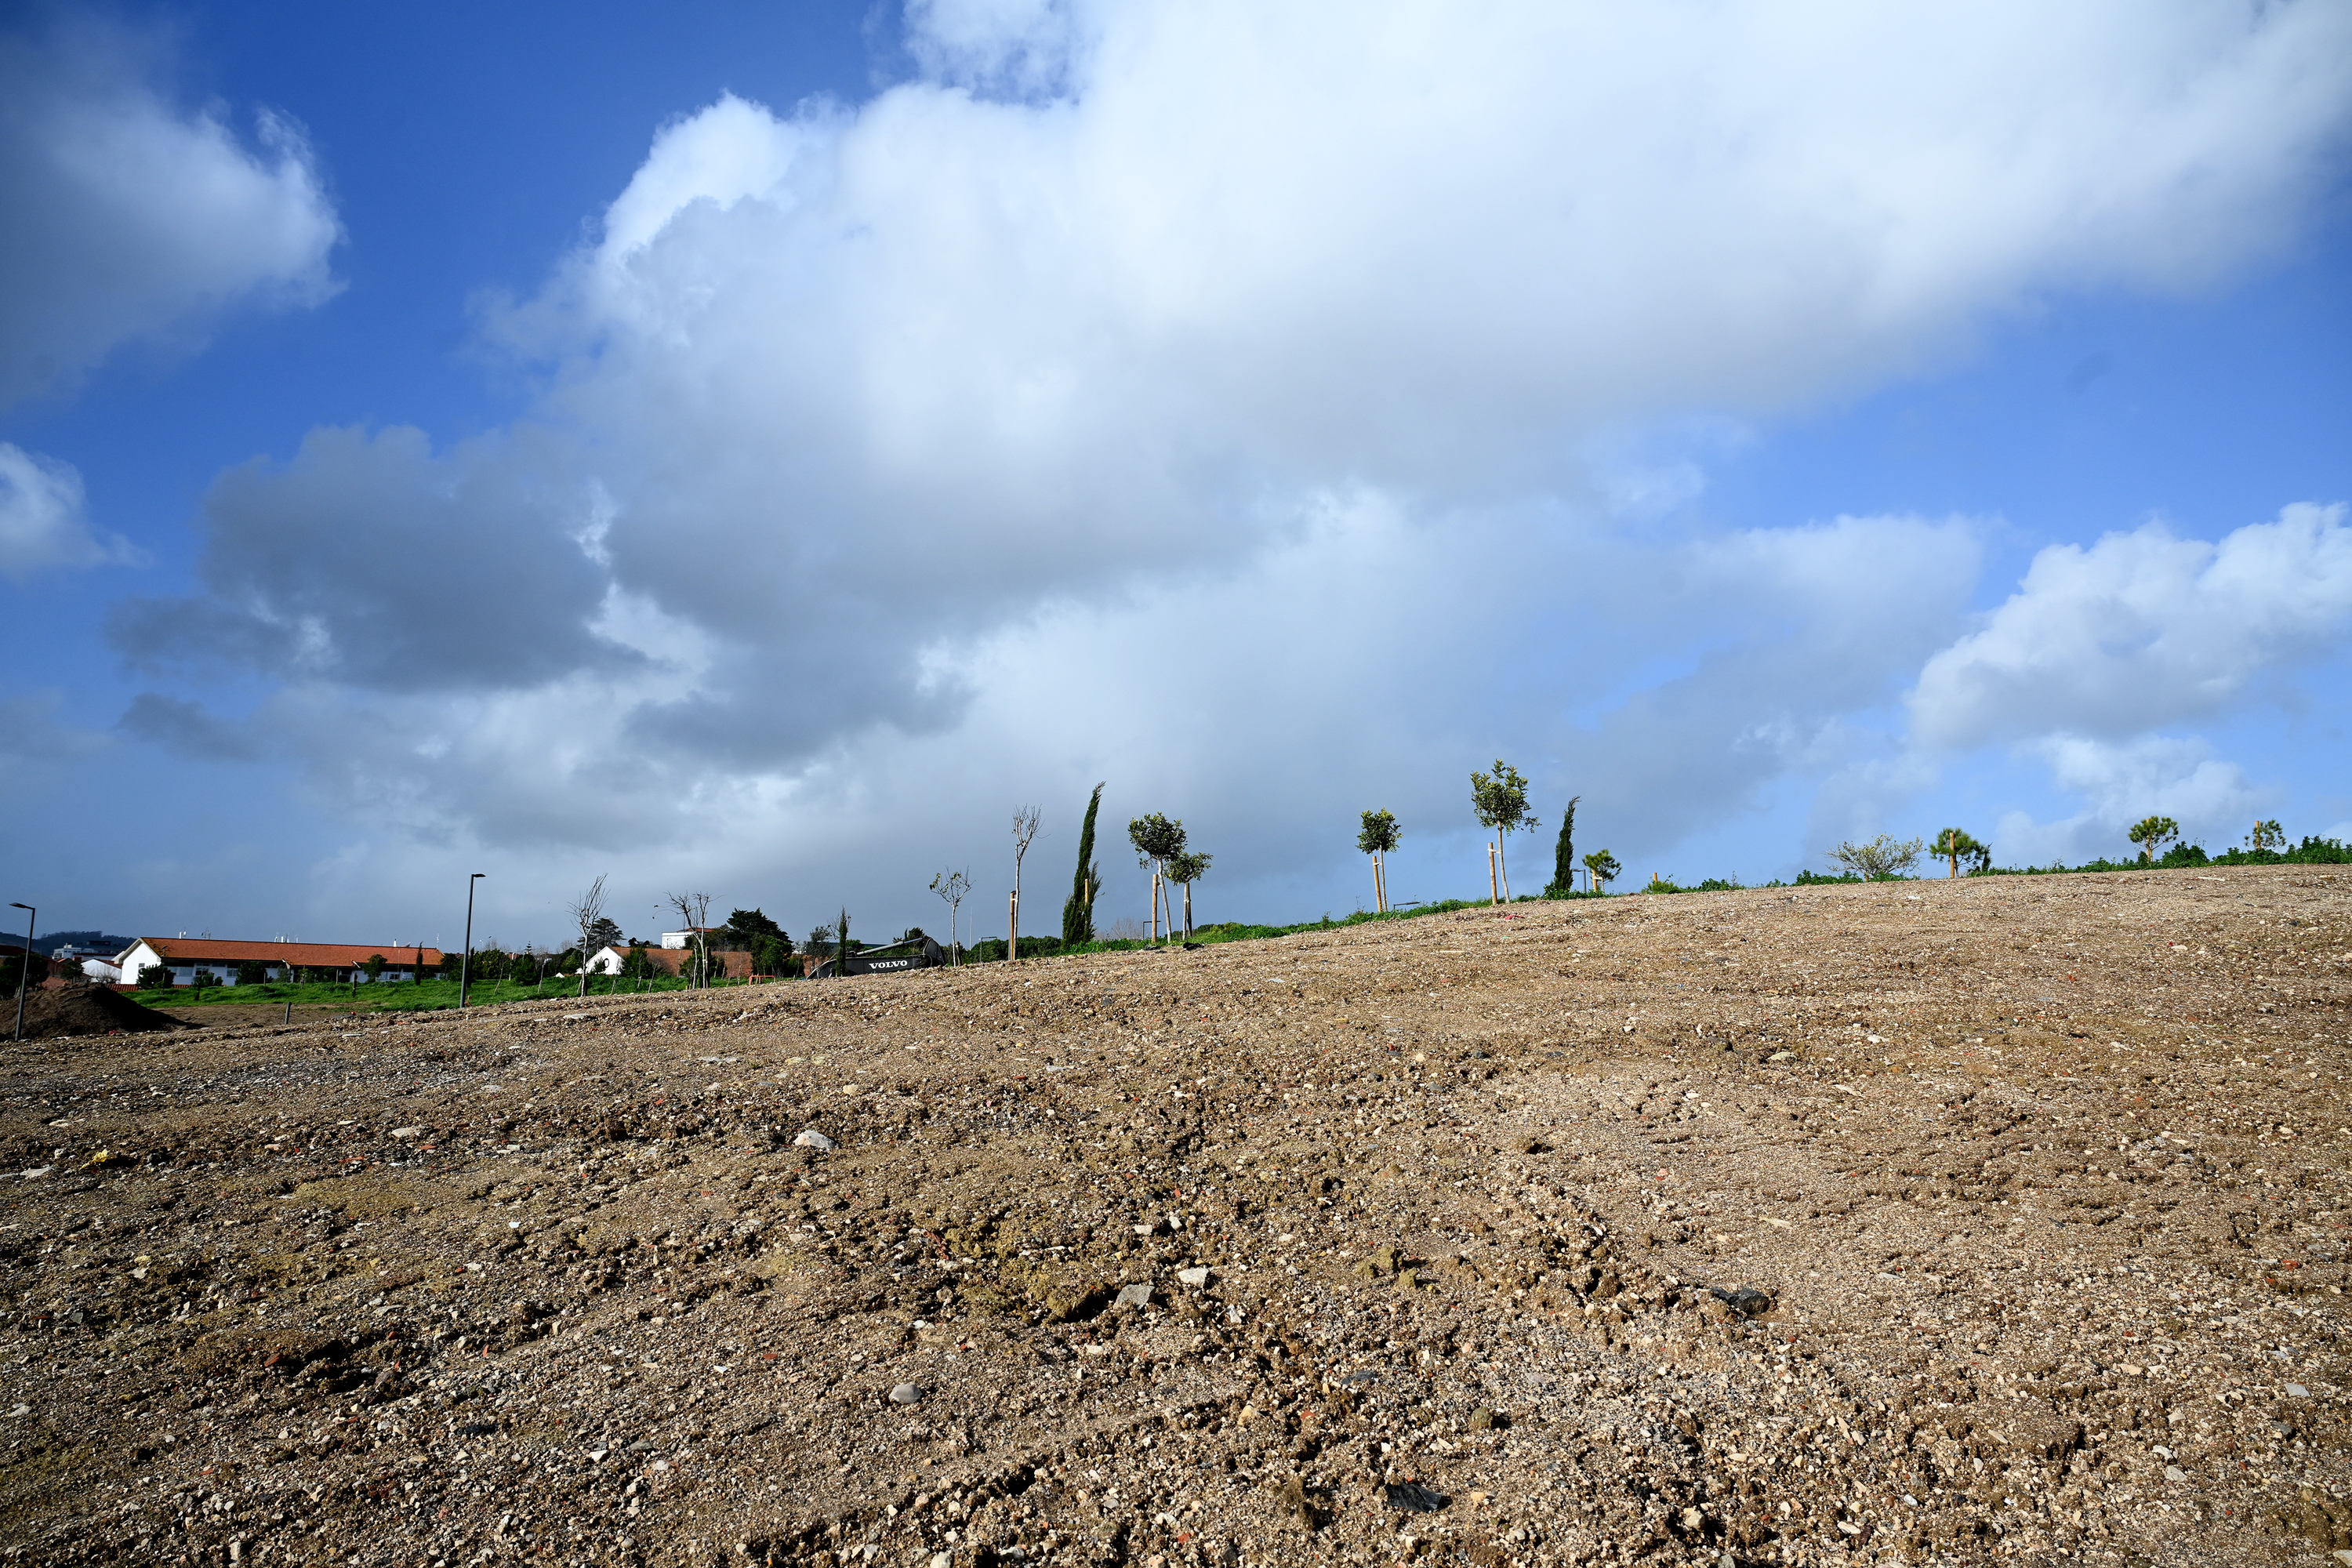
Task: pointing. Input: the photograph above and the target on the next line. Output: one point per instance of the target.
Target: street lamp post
(466, 959)
(24, 971)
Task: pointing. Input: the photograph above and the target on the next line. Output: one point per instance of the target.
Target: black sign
(892, 960)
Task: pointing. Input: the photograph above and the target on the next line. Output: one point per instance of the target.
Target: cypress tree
(1079, 913)
(1563, 855)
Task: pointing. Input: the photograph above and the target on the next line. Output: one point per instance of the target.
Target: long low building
(185, 956)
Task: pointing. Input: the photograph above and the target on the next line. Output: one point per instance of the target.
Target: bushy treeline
(2313, 851)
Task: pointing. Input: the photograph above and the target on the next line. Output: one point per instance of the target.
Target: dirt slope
(64, 1008)
(2002, 1219)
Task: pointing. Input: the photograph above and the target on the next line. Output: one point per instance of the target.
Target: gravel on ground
(1996, 1219)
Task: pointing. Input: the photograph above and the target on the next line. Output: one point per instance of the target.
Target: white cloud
(125, 218)
(371, 561)
(2142, 629)
(1019, 49)
(42, 519)
(1218, 391)
(2123, 782)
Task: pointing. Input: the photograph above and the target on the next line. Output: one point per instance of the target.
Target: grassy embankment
(393, 997)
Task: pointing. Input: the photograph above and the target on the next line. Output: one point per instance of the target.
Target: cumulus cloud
(124, 216)
(2142, 629)
(1125, 387)
(370, 561)
(2122, 782)
(42, 519)
(188, 730)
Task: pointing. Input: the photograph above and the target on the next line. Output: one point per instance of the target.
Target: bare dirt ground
(2004, 1219)
(234, 1016)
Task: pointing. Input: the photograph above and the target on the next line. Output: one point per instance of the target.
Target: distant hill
(50, 941)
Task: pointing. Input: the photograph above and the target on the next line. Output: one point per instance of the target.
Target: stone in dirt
(811, 1137)
(905, 1393)
(1746, 1300)
(1134, 1296)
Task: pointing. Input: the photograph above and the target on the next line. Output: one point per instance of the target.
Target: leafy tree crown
(1156, 838)
(1500, 798)
(1187, 866)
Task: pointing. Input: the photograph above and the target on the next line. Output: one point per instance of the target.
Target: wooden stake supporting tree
(1157, 840)
(1378, 836)
(1500, 802)
(1185, 868)
(1024, 829)
(952, 886)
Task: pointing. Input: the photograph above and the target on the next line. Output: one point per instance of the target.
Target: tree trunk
(1493, 888)
(1502, 861)
(1187, 912)
(1012, 927)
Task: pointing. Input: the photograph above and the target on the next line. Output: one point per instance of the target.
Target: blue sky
(755, 448)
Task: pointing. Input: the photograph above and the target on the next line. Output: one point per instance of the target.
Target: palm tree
(1378, 836)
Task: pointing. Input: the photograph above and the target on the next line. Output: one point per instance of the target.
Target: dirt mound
(51, 1010)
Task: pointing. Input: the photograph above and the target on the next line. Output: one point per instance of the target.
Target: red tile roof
(309, 955)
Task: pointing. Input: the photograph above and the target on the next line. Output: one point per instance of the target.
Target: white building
(183, 957)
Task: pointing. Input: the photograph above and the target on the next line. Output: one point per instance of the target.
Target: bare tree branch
(587, 909)
(1024, 829)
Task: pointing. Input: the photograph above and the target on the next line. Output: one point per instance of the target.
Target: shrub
(1880, 859)
(155, 976)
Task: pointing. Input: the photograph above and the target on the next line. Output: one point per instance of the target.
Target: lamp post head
(17, 906)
